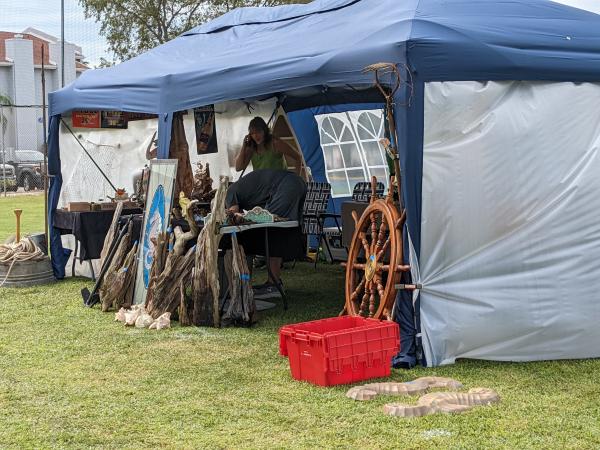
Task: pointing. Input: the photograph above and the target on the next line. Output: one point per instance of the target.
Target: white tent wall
(510, 227)
(120, 153)
(232, 119)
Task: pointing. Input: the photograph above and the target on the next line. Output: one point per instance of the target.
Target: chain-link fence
(21, 148)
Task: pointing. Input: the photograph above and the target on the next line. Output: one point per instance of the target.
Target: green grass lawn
(72, 377)
(32, 217)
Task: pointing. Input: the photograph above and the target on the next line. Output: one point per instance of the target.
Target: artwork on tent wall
(156, 219)
(99, 119)
(351, 149)
(113, 119)
(206, 135)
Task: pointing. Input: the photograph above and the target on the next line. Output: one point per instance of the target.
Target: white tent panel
(232, 119)
(120, 153)
(510, 227)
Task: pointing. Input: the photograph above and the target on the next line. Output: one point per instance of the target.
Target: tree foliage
(134, 26)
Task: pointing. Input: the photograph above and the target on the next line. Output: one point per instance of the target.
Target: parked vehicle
(28, 166)
(8, 177)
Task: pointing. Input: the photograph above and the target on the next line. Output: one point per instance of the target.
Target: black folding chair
(315, 213)
(362, 191)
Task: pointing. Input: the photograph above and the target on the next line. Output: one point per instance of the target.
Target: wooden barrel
(27, 273)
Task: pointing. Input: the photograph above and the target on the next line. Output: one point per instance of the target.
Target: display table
(266, 226)
(90, 229)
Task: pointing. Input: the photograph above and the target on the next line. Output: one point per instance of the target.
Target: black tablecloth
(90, 228)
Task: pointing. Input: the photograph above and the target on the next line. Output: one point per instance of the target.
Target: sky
(16, 15)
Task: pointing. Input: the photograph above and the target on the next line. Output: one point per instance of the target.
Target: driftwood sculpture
(205, 280)
(241, 307)
(202, 191)
(182, 238)
(166, 286)
(113, 231)
(108, 291)
(117, 289)
(430, 403)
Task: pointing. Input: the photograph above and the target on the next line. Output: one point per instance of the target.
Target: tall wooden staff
(45, 172)
(380, 70)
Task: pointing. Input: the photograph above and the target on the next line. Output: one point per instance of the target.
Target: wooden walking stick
(18, 214)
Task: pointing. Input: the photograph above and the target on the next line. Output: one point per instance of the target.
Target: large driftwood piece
(241, 305)
(181, 238)
(112, 232)
(110, 288)
(205, 283)
(179, 150)
(166, 295)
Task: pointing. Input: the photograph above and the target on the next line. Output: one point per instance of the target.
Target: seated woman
(264, 150)
(281, 193)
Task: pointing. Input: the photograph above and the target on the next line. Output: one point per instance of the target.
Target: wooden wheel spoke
(365, 243)
(358, 266)
(358, 290)
(372, 303)
(363, 303)
(383, 249)
(381, 291)
(373, 229)
(381, 236)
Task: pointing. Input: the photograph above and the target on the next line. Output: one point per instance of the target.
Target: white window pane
(377, 121)
(363, 132)
(373, 153)
(326, 126)
(351, 155)
(326, 138)
(333, 157)
(338, 127)
(381, 174)
(347, 135)
(354, 176)
(339, 184)
(366, 124)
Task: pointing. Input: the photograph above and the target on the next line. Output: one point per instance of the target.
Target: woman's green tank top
(268, 159)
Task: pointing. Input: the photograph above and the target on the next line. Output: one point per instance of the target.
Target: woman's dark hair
(258, 123)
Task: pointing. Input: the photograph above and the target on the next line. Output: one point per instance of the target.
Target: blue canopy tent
(314, 54)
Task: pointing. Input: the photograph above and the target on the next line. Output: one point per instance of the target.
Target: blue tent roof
(252, 52)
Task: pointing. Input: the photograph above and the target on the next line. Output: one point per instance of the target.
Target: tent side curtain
(59, 255)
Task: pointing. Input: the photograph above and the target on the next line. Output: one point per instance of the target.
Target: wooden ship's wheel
(375, 258)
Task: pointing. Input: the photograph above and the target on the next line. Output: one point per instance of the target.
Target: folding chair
(315, 213)
(362, 191)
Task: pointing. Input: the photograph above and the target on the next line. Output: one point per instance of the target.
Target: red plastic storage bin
(340, 350)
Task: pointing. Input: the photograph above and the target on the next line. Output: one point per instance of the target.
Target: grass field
(70, 377)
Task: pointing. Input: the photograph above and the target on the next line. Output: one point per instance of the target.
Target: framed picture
(206, 130)
(113, 119)
(157, 212)
(86, 119)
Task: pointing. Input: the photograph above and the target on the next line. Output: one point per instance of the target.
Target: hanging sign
(113, 119)
(86, 119)
(206, 130)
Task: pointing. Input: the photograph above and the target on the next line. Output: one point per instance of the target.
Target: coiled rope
(24, 250)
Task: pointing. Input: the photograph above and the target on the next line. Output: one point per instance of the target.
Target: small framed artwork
(206, 130)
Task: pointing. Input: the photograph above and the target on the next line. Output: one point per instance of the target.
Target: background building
(21, 82)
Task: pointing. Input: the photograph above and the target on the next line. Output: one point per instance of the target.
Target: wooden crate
(78, 206)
